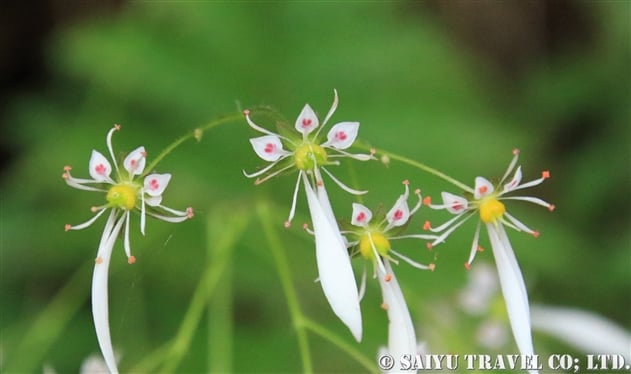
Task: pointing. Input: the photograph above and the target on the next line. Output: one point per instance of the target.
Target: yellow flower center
(122, 196)
(491, 210)
(382, 245)
(309, 155)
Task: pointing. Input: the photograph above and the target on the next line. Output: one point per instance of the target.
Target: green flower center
(122, 196)
(309, 155)
(382, 245)
(491, 210)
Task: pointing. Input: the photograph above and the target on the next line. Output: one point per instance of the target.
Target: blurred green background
(456, 85)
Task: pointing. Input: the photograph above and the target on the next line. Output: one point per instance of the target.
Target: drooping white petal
(100, 168)
(100, 311)
(453, 203)
(584, 330)
(307, 121)
(401, 335)
(155, 184)
(514, 182)
(513, 288)
(482, 188)
(323, 198)
(134, 163)
(268, 147)
(361, 215)
(342, 135)
(334, 266)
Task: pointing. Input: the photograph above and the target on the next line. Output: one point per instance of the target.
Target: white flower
(123, 194)
(373, 243)
(305, 153)
(586, 331)
(486, 200)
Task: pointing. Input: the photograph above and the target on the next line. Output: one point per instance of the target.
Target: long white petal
(401, 336)
(513, 288)
(99, 291)
(583, 330)
(334, 266)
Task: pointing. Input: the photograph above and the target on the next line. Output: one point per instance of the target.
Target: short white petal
(401, 335)
(155, 184)
(334, 266)
(342, 135)
(100, 168)
(453, 203)
(482, 188)
(134, 163)
(268, 147)
(513, 288)
(361, 215)
(584, 330)
(307, 120)
(100, 311)
(399, 213)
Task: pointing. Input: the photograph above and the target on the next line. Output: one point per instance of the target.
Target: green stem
(326, 334)
(49, 325)
(418, 165)
(284, 273)
(196, 133)
(223, 240)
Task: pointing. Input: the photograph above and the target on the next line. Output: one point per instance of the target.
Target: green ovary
(382, 245)
(308, 156)
(491, 210)
(122, 196)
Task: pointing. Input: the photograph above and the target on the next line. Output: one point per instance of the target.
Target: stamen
(388, 277)
(545, 174)
(427, 225)
(385, 160)
(535, 234)
(287, 224)
(131, 260)
(427, 200)
(429, 246)
(406, 182)
(431, 266)
(384, 306)
(189, 213)
(67, 227)
(294, 199)
(551, 207)
(373, 151)
(467, 266)
(342, 185)
(515, 151)
(98, 260)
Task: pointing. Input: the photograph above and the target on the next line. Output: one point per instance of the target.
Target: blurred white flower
(583, 330)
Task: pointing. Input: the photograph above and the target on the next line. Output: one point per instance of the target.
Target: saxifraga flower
(124, 193)
(487, 201)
